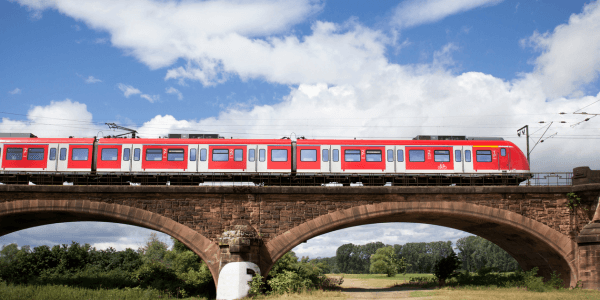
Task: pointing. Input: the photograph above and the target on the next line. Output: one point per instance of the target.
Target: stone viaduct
(259, 224)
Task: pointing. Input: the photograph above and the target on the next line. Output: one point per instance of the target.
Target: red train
(445, 160)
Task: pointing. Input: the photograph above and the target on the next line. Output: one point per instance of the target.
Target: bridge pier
(239, 256)
(588, 243)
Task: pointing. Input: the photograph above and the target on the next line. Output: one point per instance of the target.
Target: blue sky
(322, 69)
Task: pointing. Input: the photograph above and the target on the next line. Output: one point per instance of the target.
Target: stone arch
(530, 242)
(23, 214)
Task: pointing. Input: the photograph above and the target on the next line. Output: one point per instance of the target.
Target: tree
(384, 261)
(445, 268)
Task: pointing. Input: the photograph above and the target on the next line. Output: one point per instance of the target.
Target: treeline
(179, 272)
(474, 252)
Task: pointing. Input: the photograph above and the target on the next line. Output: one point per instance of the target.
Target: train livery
(303, 158)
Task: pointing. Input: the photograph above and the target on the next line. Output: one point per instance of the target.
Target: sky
(319, 69)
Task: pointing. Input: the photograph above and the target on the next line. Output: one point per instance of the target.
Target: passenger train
(447, 160)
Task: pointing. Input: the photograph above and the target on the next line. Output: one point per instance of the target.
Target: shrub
(445, 268)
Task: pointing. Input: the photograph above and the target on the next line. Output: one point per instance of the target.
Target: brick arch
(531, 243)
(23, 214)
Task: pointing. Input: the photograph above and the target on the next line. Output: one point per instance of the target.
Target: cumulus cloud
(569, 55)
(128, 90)
(92, 79)
(416, 12)
(172, 90)
(150, 98)
(15, 91)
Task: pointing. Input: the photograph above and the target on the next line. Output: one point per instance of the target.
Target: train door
(202, 158)
(336, 159)
(252, 158)
(127, 157)
(192, 165)
(325, 158)
(137, 155)
(400, 161)
(261, 163)
(504, 159)
(63, 158)
(467, 159)
(1, 153)
(459, 166)
(390, 166)
(52, 157)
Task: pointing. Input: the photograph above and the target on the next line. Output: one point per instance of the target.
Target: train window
(251, 155)
(484, 155)
(136, 154)
(351, 155)
(202, 154)
(325, 155)
(153, 154)
(503, 151)
(52, 153)
(457, 155)
(193, 154)
(220, 155)
(14, 153)
(238, 155)
(400, 155)
(390, 155)
(261, 154)
(441, 155)
(279, 154)
(126, 154)
(467, 155)
(63, 153)
(35, 154)
(175, 155)
(308, 155)
(336, 155)
(373, 155)
(416, 155)
(79, 154)
(109, 154)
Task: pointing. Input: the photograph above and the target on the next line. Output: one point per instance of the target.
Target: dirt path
(368, 289)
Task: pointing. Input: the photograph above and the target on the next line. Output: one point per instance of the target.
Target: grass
(406, 277)
(512, 293)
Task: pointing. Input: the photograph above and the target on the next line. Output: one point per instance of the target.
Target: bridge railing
(288, 179)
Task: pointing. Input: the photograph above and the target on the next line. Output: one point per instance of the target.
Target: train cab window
(390, 155)
(416, 155)
(351, 155)
(202, 154)
(153, 154)
(238, 155)
(251, 155)
(63, 153)
(79, 154)
(14, 153)
(503, 151)
(467, 155)
(336, 155)
(136, 154)
(325, 155)
(109, 154)
(441, 155)
(175, 155)
(373, 155)
(35, 154)
(279, 154)
(52, 154)
(126, 154)
(193, 154)
(261, 154)
(457, 155)
(484, 155)
(308, 155)
(220, 155)
(400, 155)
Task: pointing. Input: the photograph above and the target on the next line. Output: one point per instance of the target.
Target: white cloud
(172, 90)
(570, 54)
(92, 79)
(15, 91)
(128, 90)
(416, 12)
(151, 98)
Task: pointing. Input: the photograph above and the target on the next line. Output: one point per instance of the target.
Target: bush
(445, 268)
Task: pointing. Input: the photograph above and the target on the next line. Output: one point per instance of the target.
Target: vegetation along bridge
(239, 231)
